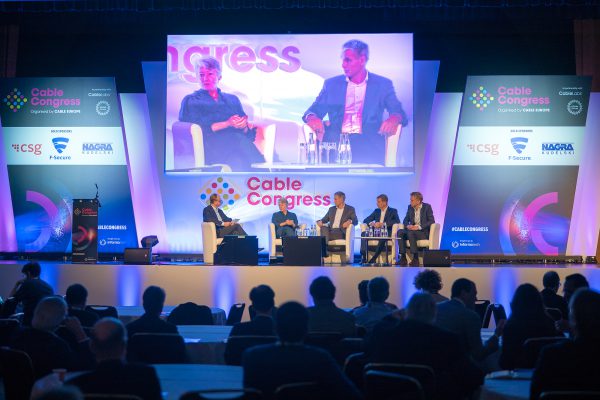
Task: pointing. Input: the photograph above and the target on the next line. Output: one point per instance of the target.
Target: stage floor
(222, 286)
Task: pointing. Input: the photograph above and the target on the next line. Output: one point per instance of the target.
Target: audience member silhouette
(150, 322)
(528, 320)
(113, 375)
(290, 361)
(46, 350)
(430, 281)
(376, 308)
(457, 315)
(325, 316)
(573, 365)
(30, 290)
(76, 298)
(416, 340)
(263, 301)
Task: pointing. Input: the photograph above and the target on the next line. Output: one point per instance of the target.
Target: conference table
(176, 379)
(507, 385)
(130, 313)
(205, 344)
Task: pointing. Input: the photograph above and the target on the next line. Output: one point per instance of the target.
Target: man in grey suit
(457, 315)
(418, 219)
(333, 225)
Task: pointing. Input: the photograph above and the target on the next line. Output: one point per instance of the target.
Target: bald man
(47, 350)
(113, 375)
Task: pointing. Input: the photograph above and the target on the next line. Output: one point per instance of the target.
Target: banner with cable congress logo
(62, 137)
(515, 166)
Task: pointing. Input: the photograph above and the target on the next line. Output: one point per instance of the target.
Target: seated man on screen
(228, 137)
(285, 221)
(417, 222)
(224, 224)
(355, 103)
(339, 217)
(380, 217)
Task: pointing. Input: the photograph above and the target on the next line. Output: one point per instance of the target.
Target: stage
(222, 286)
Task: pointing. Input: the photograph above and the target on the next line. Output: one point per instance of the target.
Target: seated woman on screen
(228, 137)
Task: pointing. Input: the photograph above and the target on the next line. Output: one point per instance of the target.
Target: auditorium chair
(424, 374)
(157, 348)
(236, 312)
(302, 391)
(190, 314)
(210, 241)
(188, 145)
(392, 244)
(532, 348)
(227, 394)
(16, 370)
(570, 395)
(340, 250)
(8, 327)
(381, 385)
(103, 311)
(236, 345)
(275, 244)
(432, 243)
(391, 145)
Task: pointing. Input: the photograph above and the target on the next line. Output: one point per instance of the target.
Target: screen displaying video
(289, 103)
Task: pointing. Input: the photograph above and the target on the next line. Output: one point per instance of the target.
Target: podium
(84, 238)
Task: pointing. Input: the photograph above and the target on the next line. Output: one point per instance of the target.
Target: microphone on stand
(97, 196)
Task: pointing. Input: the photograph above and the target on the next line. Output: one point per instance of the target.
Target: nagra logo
(241, 58)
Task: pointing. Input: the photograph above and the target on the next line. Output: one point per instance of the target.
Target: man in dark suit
(573, 365)
(224, 224)
(416, 340)
(76, 297)
(551, 299)
(338, 218)
(355, 103)
(418, 220)
(268, 367)
(48, 351)
(380, 217)
(113, 375)
(153, 301)
(30, 290)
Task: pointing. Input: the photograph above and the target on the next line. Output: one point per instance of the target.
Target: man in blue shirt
(285, 221)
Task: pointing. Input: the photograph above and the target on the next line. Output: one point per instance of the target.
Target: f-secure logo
(60, 144)
(519, 144)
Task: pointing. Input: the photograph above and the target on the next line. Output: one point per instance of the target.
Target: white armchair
(392, 243)
(274, 241)
(188, 145)
(432, 243)
(210, 241)
(346, 255)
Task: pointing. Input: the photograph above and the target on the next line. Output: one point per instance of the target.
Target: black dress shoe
(415, 261)
(403, 261)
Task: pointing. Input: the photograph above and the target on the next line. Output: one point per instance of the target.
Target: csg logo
(491, 148)
(36, 148)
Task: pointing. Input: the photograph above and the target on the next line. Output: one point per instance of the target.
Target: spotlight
(148, 242)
